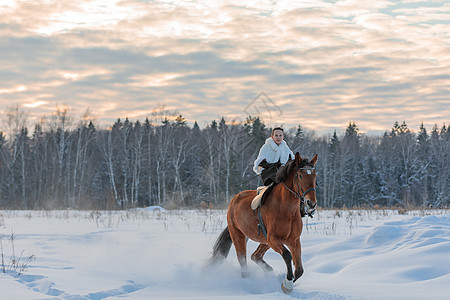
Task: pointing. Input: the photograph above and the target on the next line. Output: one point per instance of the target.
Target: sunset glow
(323, 63)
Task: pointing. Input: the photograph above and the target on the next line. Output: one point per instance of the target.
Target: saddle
(262, 192)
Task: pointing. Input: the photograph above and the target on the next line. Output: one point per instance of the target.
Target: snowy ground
(153, 254)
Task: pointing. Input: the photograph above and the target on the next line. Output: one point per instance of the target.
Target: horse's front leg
(296, 251)
(288, 284)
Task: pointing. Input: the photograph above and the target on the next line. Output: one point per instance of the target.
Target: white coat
(272, 153)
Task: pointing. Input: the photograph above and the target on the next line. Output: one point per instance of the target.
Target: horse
(281, 219)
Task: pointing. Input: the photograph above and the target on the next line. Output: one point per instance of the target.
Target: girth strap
(261, 227)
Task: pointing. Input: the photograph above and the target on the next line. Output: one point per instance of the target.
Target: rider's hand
(265, 164)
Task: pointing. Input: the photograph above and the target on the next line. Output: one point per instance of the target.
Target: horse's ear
(298, 158)
(314, 160)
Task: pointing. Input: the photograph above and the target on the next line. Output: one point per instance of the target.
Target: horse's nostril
(310, 204)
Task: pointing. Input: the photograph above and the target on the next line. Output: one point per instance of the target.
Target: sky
(318, 63)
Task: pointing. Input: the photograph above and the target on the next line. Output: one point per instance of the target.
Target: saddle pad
(256, 202)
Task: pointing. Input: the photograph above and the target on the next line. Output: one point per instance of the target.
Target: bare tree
(16, 123)
(164, 135)
(137, 151)
(180, 145)
(229, 138)
(107, 146)
(210, 139)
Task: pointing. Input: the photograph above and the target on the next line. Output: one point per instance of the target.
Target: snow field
(157, 254)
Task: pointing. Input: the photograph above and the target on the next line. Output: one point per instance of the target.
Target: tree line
(63, 163)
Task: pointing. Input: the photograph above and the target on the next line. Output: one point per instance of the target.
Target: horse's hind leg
(258, 255)
(240, 243)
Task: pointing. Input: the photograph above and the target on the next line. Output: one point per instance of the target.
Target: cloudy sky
(318, 63)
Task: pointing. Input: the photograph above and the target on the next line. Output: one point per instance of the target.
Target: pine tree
(423, 143)
(196, 128)
(180, 121)
(335, 174)
(351, 166)
(300, 134)
(298, 142)
(256, 130)
(222, 125)
(213, 125)
(334, 147)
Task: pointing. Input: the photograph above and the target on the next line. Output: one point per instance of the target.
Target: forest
(61, 163)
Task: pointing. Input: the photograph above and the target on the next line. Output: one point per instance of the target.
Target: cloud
(375, 62)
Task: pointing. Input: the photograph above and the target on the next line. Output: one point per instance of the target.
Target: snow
(154, 253)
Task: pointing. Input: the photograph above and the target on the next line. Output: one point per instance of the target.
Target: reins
(299, 195)
(240, 184)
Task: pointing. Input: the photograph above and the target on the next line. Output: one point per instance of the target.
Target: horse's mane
(284, 172)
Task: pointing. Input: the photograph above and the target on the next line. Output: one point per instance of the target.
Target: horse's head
(299, 177)
(305, 182)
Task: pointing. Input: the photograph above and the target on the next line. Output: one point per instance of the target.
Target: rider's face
(277, 136)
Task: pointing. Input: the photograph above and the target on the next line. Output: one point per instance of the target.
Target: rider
(272, 155)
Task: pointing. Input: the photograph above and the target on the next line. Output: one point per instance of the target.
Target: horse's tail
(222, 246)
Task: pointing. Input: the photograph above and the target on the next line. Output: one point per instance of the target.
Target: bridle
(301, 194)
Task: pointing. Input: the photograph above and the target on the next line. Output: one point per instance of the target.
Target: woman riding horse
(272, 155)
(294, 184)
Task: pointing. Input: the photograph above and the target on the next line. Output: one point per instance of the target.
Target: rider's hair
(277, 128)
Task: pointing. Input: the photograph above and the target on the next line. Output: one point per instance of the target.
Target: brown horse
(281, 216)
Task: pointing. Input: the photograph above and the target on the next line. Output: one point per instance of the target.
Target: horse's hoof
(287, 286)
